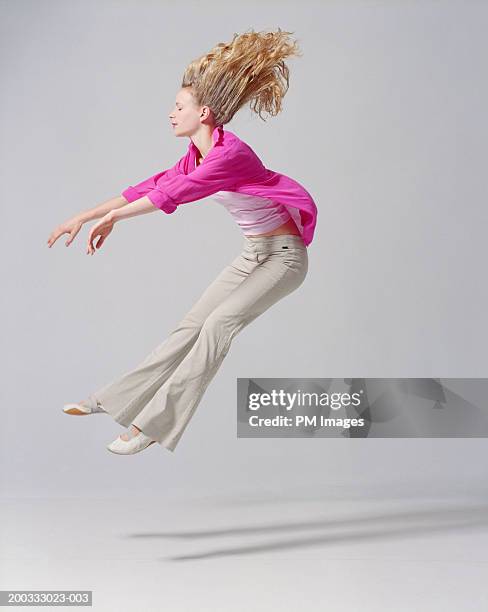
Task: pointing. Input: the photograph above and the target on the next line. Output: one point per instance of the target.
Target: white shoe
(136, 443)
(88, 406)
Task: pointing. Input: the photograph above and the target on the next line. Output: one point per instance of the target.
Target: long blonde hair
(250, 68)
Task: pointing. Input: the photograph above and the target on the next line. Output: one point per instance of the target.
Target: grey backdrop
(385, 125)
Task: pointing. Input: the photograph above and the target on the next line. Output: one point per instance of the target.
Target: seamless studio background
(383, 123)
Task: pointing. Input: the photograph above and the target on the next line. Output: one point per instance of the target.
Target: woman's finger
(71, 237)
(91, 236)
(54, 236)
(89, 245)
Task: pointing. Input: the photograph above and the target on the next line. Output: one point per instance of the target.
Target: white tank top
(254, 214)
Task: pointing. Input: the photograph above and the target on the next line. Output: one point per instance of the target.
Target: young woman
(157, 399)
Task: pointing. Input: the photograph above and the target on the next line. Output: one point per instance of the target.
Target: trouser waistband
(263, 243)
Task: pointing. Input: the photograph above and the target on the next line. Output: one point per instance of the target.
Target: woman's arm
(141, 206)
(101, 210)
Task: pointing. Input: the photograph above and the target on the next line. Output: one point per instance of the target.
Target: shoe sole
(76, 411)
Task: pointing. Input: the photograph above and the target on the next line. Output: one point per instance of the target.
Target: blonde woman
(277, 215)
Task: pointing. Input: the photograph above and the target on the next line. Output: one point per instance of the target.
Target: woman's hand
(71, 227)
(102, 228)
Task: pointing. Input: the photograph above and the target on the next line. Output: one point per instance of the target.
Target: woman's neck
(203, 139)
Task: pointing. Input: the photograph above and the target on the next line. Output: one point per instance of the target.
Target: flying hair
(250, 68)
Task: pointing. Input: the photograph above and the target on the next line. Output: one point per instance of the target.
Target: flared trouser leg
(276, 273)
(126, 396)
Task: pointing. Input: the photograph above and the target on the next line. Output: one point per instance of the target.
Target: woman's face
(185, 116)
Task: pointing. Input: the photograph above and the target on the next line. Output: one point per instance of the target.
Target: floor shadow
(369, 527)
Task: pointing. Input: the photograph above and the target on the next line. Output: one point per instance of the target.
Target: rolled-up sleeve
(221, 171)
(139, 190)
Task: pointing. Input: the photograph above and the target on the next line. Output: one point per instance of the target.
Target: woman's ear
(206, 112)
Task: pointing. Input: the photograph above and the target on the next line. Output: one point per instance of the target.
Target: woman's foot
(88, 406)
(130, 442)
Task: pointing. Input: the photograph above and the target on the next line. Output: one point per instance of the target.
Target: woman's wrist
(81, 218)
(112, 215)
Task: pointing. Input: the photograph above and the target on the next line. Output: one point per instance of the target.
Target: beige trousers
(161, 394)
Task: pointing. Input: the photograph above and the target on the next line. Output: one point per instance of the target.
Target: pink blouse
(253, 214)
(231, 166)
